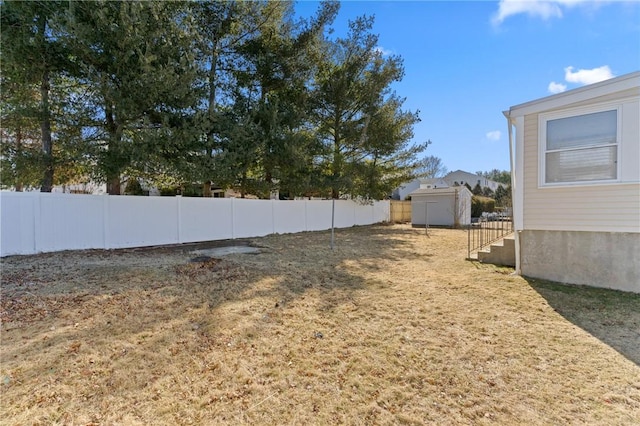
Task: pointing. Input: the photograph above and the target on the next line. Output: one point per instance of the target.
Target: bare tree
(431, 167)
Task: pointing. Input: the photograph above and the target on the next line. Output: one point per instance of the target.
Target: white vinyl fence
(34, 222)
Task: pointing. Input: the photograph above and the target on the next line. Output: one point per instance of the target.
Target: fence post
(273, 216)
(37, 222)
(105, 221)
(333, 215)
(233, 219)
(179, 216)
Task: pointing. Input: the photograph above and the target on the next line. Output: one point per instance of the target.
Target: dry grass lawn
(392, 327)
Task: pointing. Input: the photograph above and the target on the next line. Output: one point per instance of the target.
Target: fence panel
(36, 222)
(289, 216)
(141, 221)
(366, 213)
(344, 214)
(400, 211)
(17, 224)
(205, 219)
(381, 211)
(68, 223)
(252, 218)
(318, 215)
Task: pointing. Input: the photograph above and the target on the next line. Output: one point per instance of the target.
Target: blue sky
(467, 61)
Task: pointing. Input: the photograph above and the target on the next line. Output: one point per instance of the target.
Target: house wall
(599, 259)
(588, 233)
(34, 222)
(611, 207)
(401, 193)
(470, 178)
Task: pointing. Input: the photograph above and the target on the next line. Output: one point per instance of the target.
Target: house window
(579, 148)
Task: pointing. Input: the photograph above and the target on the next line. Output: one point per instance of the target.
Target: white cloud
(557, 87)
(543, 9)
(581, 77)
(382, 51)
(494, 135)
(591, 76)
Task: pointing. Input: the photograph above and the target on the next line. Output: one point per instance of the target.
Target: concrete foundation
(598, 259)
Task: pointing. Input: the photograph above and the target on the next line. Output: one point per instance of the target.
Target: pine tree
(364, 131)
(32, 57)
(137, 58)
(273, 89)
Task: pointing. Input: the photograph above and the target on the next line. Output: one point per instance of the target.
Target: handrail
(486, 230)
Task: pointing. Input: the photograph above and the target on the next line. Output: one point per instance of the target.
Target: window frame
(543, 118)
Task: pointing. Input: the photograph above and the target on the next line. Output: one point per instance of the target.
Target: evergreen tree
(503, 196)
(137, 57)
(236, 93)
(487, 192)
(364, 131)
(500, 176)
(32, 57)
(20, 133)
(272, 87)
(218, 29)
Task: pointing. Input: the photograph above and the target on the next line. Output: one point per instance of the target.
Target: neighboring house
(441, 206)
(459, 178)
(575, 171)
(434, 183)
(401, 193)
(151, 190)
(81, 188)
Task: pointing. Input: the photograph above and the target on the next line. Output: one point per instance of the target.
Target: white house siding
(607, 208)
(581, 234)
(461, 177)
(401, 193)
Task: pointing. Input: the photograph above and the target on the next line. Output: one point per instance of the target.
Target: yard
(392, 327)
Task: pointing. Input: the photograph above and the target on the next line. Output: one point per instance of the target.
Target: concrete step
(502, 252)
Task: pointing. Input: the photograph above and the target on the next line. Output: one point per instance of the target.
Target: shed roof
(440, 191)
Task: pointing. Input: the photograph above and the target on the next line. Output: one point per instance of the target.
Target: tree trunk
(211, 109)
(206, 189)
(115, 135)
(19, 171)
(113, 186)
(45, 126)
(336, 166)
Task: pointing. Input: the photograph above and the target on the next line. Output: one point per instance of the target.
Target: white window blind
(582, 148)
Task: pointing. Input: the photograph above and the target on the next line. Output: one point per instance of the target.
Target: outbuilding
(441, 206)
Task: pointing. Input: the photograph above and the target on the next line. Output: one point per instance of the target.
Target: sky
(467, 61)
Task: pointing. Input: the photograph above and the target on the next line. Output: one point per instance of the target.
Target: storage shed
(441, 206)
